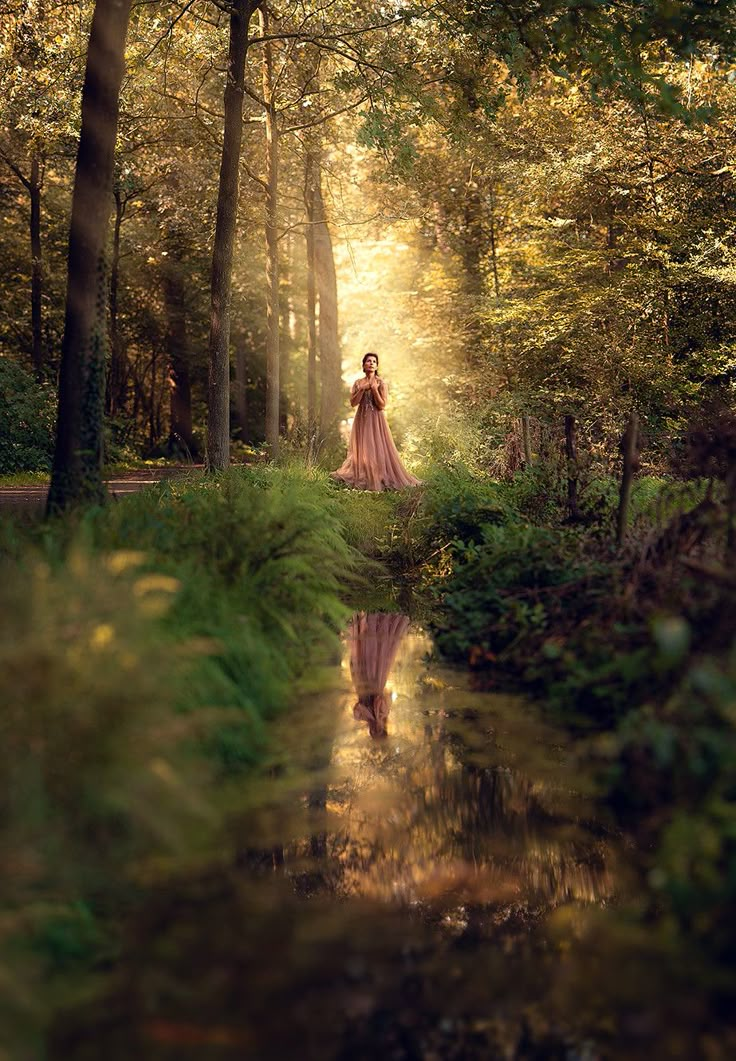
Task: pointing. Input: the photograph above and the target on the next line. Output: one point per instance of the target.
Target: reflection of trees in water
(416, 823)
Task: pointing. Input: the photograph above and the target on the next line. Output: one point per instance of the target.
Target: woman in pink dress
(373, 462)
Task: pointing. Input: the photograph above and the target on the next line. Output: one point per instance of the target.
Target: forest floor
(31, 496)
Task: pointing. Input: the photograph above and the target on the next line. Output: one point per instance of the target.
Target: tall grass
(143, 649)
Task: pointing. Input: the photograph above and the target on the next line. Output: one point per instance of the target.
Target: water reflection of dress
(374, 639)
(373, 462)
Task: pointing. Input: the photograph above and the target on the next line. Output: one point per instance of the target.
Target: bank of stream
(415, 868)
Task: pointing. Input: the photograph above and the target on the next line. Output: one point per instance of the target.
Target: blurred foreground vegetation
(143, 649)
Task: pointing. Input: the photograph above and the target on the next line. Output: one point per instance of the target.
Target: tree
(77, 467)
(330, 359)
(273, 312)
(38, 81)
(218, 401)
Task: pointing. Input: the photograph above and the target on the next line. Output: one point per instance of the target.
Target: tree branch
(16, 170)
(254, 176)
(326, 117)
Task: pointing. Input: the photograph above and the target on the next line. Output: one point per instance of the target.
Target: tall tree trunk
(177, 346)
(630, 447)
(571, 452)
(34, 188)
(331, 393)
(241, 387)
(473, 239)
(218, 397)
(288, 331)
(309, 175)
(272, 248)
(730, 552)
(526, 440)
(77, 469)
(152, 434)
(494, 243)
(116, 379)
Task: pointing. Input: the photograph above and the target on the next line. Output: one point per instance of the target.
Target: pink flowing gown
(373, 462)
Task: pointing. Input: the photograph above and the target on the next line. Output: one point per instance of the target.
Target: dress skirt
(373, 462)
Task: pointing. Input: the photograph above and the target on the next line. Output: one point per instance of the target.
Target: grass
(144, 649)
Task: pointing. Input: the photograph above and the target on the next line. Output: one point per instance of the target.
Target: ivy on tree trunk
(77, 469)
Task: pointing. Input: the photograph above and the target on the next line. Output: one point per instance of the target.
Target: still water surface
(432, 795)
(398, 865)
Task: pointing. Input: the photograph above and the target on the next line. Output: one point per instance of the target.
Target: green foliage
(27, 422)
(461, 505)
(143, 650)
(97, 779)
(676, 756)
(508, 591)
(262, 560)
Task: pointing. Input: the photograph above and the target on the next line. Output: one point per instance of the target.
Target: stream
(413, 867)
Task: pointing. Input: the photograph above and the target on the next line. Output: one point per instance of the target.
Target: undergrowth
(144, 647)
(633, 648)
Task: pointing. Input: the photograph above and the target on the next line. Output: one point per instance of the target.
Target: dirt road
(32, 497)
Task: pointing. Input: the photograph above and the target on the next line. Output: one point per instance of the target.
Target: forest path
(32, 496)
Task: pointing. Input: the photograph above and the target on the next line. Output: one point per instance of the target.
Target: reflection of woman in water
(373, 462)
(374, 639)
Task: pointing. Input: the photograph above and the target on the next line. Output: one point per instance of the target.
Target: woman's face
(370, 364)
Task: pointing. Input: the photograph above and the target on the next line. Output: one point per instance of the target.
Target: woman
(373, 461)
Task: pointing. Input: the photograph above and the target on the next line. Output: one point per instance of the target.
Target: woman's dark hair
(370, 354)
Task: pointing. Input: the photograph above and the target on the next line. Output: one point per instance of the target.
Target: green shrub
(672, 764)
(458, 505)
(27, 421)
(508, 589)
(262, 560)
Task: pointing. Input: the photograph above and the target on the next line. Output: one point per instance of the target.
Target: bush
(27, 423)
(458, 505)
(143, 650)
(670, 770)
(508, 593)
(262, 560)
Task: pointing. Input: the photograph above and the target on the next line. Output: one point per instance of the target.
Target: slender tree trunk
(241, 387)
(38, 352)
(526, 439)
(494, 255)
(572, 468)
(77, 469)
(116, 380)
(218, 398)
(473, 239)
(730, 551)
(152, 436)
(288, 330)
(630, 447)
(311, 304)
(272, 248)
(177, 345)
(331, 393)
